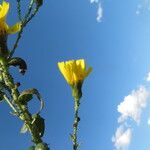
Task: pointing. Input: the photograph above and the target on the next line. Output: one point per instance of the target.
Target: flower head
(74, 71)
(4, 28)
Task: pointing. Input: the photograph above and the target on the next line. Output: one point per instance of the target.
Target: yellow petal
(81, 62)
(4, 10)
(15, 28)
(61, 67)
(63, 70)
(74, 71)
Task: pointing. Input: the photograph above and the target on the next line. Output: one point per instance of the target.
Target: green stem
(19, 10)
(29, 10)
(10, 104)
(28, 17)
(75, 124)
(33, 14)
(25, 115)
(17, 42)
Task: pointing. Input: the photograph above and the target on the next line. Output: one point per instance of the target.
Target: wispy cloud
(148, 121)
(122, 137)
(132, 105)
(143, 7)
(130, 108)
(148, 77)
(99, 9)
(94, 1)
(99, 13)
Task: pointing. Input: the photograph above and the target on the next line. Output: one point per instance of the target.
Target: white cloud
(94, 1)
(148, 121)
(99, 12)
(148, 77)
(133, 104)
(137, 12)
(122, 138)
(130, 108)
(143, 7)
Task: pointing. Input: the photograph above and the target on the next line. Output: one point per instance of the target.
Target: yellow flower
(4, 28)
(74, 71)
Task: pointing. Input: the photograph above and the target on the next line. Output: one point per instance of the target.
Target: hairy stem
(10, 104)
(23, 110)
(28, 17)
(19, 10)
(29, 10)
(75, 125)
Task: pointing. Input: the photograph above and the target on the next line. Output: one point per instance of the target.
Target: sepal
(77, 90)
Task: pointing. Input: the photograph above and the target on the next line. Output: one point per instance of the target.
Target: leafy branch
(33, 9)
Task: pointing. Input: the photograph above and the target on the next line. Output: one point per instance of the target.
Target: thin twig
(32, 15)
(27, 19)
(29, 10)
(16, 43)
(19, 10)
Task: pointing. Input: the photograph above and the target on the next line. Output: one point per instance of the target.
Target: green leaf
(17, 61)
(39, 3)
(71, 137)
(42, 146)
(3, 86)
(1, 96)
(38, 124)
(27, 95)
(24, 128)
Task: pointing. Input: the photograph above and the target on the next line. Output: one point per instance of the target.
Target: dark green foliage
(42, 146)
(39, 3)
(17, 61)
(32, 148)
(38, 124)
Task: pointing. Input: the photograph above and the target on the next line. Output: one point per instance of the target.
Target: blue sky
(117, 48)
